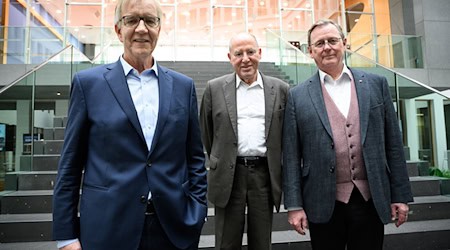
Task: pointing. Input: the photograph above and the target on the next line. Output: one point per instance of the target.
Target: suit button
(332, 145)
(149, 164)
(143, 199)
(332, 170)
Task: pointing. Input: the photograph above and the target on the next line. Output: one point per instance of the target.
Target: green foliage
(440, 173)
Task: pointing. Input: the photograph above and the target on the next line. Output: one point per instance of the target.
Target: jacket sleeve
(292, 155)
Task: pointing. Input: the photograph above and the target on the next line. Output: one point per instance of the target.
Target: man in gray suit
(241, 119)
(344, 170)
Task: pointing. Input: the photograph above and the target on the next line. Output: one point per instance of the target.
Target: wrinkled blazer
(218, 121)
(105, 140)
(309, 159)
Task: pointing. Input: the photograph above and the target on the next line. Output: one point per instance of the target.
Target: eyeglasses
(331, 41)
(132, 21)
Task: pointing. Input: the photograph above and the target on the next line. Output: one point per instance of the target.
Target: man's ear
(310, 51)
(118, 32)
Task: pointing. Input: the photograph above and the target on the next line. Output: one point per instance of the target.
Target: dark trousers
(154, 237)
(355, 225)
(251, 190)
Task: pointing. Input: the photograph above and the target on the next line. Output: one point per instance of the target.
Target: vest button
(231, 166)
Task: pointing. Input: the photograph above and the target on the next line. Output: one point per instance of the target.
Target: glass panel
(295, 63)
(31, 118)
(262, 15)
(361, 39)
(227, 21)
(421, 113)
(193, 31)
(327, 9)
(166, 47)
(15, 120)
(425, 131)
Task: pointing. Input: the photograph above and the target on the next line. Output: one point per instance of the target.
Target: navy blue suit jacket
(309, 159)
(105, 140)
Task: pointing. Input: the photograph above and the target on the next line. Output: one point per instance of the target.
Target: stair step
(417, 168)
(41, 162)
(25, 227)
(432, 234)
(27, 202)
(30, 180)
(427, 185)
(46, 147)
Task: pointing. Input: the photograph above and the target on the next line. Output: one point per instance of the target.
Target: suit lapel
(363, 93)
(316, 95)
(165, 83)
(269, 100)
(122, 94)
(229, 90)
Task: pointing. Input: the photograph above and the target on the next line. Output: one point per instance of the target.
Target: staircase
(25, 208)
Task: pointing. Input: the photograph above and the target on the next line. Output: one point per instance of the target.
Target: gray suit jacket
(218, 123)
(309, 176)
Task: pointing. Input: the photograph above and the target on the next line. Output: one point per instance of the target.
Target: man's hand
(72, 246)
(399, 212)
(298, 220)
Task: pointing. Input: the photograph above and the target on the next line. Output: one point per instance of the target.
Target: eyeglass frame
(326, 41)
(158, 20)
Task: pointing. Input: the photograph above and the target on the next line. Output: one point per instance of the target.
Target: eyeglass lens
(131, 21)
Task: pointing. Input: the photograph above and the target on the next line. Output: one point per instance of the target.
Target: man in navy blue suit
(133, 131)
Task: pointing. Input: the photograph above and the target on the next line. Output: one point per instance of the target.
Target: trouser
(251, 190)
(153, 236)
(355, 225)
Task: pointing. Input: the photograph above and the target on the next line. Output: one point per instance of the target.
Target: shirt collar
(127, 68)
(345, 71)
(258, 81)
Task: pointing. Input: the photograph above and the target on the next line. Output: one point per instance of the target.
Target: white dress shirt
(339, 89)
(251, 117)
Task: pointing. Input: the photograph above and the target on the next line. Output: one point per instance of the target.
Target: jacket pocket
(213, 162)
(305, 170)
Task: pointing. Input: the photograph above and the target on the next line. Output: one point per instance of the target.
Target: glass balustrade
(33, 109)
(32, 116)
(422, 111)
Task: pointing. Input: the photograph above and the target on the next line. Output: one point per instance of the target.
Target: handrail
(282, 39)
(34, 69)
(373, 62)
(397, 73)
